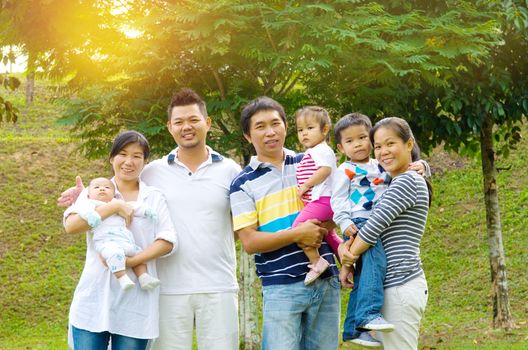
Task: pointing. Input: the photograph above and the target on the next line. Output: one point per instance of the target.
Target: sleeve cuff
(91, 217)
(169, 237)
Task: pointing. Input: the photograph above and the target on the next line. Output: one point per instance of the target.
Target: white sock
(148, 282)
(125, 282)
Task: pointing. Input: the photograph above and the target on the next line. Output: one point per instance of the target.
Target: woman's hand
(346, 258)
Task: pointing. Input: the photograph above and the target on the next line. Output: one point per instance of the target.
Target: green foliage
(347, 55)
(495, 88)
(8, 112)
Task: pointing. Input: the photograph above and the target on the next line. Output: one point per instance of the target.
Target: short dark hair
(186, 97)
(262, 103)
(127, 137)
(350, 120)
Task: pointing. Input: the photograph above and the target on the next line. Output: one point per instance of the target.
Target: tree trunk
(30, 78)
(502, 317)
(248, 303)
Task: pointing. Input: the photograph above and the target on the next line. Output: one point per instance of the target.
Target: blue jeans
(86, 340)
(366, 298)
(298, 317)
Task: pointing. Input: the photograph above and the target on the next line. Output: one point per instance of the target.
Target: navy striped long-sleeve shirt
(398, 219)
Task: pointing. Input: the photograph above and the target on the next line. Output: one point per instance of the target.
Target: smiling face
(128, 162)
(309, 131)
(101, 189)
(188, 126)
(267, 133)
(392, 152)
(355, 143)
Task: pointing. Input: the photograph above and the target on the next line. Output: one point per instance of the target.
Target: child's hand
(123, 209)
(302, 190)
(351, 230)
(346, 276)
(103, 260)
(418, 166)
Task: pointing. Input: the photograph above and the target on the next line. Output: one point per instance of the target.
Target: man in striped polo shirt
(264, 204)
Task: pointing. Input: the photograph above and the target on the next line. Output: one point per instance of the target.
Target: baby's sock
(148, 282)
(125, 282)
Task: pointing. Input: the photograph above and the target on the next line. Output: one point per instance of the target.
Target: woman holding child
(398, 220)
(102, 311)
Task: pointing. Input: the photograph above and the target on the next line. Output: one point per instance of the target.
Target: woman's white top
(99, 304)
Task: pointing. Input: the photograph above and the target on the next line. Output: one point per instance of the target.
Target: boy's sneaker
(379, 324)
(316, 270)
(365, 339)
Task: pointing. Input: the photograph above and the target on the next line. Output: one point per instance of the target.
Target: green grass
(40, 264)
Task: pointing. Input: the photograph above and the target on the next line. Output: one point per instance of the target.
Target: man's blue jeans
(366, 298)
(86, 340)
(303, 317)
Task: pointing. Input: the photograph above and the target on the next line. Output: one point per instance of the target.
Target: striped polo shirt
(266, 196)
(399, 220)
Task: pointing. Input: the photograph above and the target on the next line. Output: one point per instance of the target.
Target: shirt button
(190, 173)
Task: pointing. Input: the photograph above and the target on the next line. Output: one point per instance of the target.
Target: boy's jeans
(298, 317)
(366, 298)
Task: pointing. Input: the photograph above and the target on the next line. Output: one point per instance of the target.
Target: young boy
(357, 185)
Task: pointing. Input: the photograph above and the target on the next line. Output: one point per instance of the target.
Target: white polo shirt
(200, 210)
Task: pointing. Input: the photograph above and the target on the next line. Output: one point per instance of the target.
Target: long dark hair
(404, 132)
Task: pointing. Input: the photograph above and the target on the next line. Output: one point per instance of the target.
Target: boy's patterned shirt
(356, 188)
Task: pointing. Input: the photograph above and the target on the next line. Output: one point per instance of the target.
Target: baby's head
(101, 189)
(313, 125)
(352, 137)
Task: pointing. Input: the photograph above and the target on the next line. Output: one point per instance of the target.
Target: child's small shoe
(316, 270)
(365, 339)
(147, 282)
(379, 324)
(125, 282)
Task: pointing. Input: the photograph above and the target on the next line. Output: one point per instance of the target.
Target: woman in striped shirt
(399, 221)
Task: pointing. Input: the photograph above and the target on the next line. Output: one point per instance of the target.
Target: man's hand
(311, 233)
(69, 196)
(351, 230)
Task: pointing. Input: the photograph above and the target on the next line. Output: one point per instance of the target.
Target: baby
(111, 237)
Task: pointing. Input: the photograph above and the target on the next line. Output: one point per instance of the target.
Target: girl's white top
(99, 304)
(319, 155)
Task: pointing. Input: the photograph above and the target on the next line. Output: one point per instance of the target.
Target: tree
(348, 55)
(483, 106)
(52, 33)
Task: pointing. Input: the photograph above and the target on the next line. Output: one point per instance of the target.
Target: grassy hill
(40, 264)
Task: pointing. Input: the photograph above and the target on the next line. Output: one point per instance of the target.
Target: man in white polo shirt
(198, 284)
